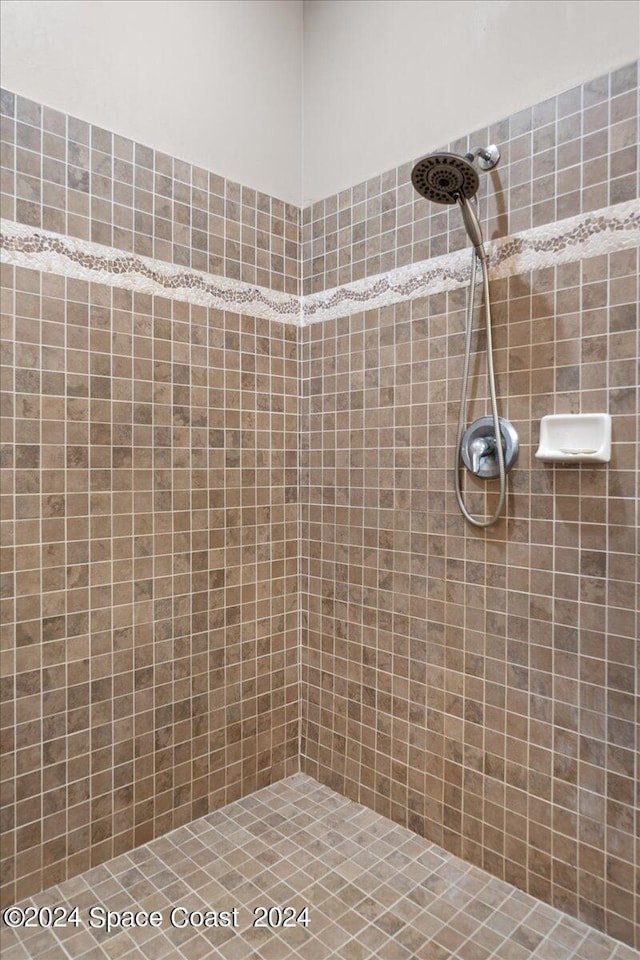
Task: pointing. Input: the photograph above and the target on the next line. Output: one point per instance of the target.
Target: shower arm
(487, 157)
(480, 152)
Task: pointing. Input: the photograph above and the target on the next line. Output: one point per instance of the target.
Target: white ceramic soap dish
(575, 438)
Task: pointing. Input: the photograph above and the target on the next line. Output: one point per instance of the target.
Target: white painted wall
(220, 82)
(389, 80)
(215, 82)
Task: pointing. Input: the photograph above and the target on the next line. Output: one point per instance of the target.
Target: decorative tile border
(573, 153)
(586, 235)
(576, 238)
(63, 174)
(37, 249)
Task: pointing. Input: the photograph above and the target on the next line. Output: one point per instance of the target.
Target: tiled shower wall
(150, 595)
(571, 154)
(73, 178)
(476, 686)
(480, 686)
(151, 540)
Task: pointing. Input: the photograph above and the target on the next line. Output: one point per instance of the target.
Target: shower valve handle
(472, 226)
(480, 448)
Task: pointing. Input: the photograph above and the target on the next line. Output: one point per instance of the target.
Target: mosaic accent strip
(576, 238)
(63, 174)
(573, 153)
(37, 249)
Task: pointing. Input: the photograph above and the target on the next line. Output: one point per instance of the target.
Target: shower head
(445, 178)
(449, 178)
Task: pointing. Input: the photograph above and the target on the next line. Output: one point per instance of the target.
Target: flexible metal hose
(492, 393)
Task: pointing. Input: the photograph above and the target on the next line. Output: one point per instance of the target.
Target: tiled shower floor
(373, 889)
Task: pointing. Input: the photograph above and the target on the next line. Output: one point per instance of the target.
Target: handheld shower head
(448, 178)
(472, 226)
(444, 177)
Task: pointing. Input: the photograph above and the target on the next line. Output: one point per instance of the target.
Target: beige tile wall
(150, 593)
(68, 176)
(571, 154)
(479, 687)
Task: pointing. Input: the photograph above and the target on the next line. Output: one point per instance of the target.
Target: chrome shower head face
(445, 178)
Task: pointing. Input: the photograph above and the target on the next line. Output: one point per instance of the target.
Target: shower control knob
(481, 448)
(479, 453)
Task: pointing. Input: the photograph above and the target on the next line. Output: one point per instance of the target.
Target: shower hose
(492, 393)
